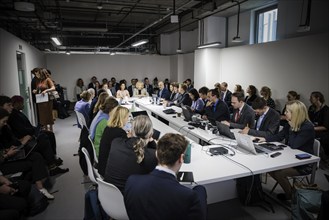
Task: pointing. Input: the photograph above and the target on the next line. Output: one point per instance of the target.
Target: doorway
(23, 88)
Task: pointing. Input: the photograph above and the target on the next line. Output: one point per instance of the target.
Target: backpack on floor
(37, 201)
(93, 208)
(250, 192)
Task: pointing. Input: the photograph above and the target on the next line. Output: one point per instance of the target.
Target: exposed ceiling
(109, 25)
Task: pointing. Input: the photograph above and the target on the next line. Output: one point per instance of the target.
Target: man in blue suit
(163, 92)
(158, 195)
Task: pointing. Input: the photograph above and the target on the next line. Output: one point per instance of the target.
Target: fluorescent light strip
(141, 42)
(210, 45)
(56, 41)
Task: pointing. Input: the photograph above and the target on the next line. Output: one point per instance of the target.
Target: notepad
(40, 98)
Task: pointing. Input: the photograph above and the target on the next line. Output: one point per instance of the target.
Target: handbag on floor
(37, 201)
(306, 202)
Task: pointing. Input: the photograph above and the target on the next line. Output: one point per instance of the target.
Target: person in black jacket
(134, 155)
(184, 97)
(216, 109)
(118, 119)
(159, 195)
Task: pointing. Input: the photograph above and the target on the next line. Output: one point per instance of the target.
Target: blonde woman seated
(140, 91)
(134, 155)
(122, 92)
(298, 134)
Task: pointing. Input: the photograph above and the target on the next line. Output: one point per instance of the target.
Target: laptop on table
(224, 130)
(245, 142)
(187, 112)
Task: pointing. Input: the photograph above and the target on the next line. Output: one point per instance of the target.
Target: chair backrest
(92, 172)
(316, 149)
(111, 200)
(94, 150)
(81, 119)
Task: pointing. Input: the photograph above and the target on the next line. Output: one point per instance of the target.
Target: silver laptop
(245, 142)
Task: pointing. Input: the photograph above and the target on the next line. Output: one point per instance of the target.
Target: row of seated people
(128, 150)
(38, 163)
(266, 125)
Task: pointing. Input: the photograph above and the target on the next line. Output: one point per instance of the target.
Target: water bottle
(133, 107)
(187, 155)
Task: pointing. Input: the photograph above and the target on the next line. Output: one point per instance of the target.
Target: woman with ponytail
(134, 155)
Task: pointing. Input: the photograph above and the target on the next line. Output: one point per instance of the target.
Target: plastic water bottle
(187, 155)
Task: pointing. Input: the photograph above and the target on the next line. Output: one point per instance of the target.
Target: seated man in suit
(268, 121)
(216, 109)
(163, 92)
(184, 97)
(148, 86)
(159, 195)
(226, 95)
(203, 92)
(243, 114)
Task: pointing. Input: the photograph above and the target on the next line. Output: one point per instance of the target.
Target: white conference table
(218, 173)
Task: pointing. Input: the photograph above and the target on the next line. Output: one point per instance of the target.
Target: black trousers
(13, 206)
(44, 148)
(34, 163)
(51, 138)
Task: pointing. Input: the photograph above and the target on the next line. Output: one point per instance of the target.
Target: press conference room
(107, 66)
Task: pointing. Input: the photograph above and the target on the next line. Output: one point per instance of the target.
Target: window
(266, 23)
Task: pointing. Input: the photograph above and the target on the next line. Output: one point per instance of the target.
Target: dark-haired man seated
(216, 109)
(268, 121)
(158, 195)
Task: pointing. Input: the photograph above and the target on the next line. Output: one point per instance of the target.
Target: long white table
(217, 173)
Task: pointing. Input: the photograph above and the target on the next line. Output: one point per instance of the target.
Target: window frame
(257, 13)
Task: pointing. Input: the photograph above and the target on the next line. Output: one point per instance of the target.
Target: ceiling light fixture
(56, 41)
(237, 39)
(24, 6)
(214, 44)
(68, 52)
(138, 43)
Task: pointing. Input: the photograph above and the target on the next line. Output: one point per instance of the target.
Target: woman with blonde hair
(134, 155)
(140, 91)
(298, 134)
(119, 118)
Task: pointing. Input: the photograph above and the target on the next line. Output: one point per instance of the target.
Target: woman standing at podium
(298, 134)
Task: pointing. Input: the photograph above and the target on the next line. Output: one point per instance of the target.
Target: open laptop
(245, 142)
(136, 113)
(187, 112)
(24, 150)
(224, 130)
(156, 133)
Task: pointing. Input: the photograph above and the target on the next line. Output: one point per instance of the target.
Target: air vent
(24, 6)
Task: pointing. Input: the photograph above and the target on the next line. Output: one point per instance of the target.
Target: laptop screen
(187, 112)
(135, 114)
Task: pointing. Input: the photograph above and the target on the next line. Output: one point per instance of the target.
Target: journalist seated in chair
(83, 106)
(298, 134)
(197, 102)
(33, 164)
(159, 195)
(114, 129)
(134, 155)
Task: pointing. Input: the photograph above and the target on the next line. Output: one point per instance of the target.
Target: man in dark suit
(203, 92)
(158, 195)
(132, 87)
(243, 115)
(268, 121)
(184, 98)
(163, 92)
(92, 84)
(216, 109)
(226, 95)
(148, 86)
